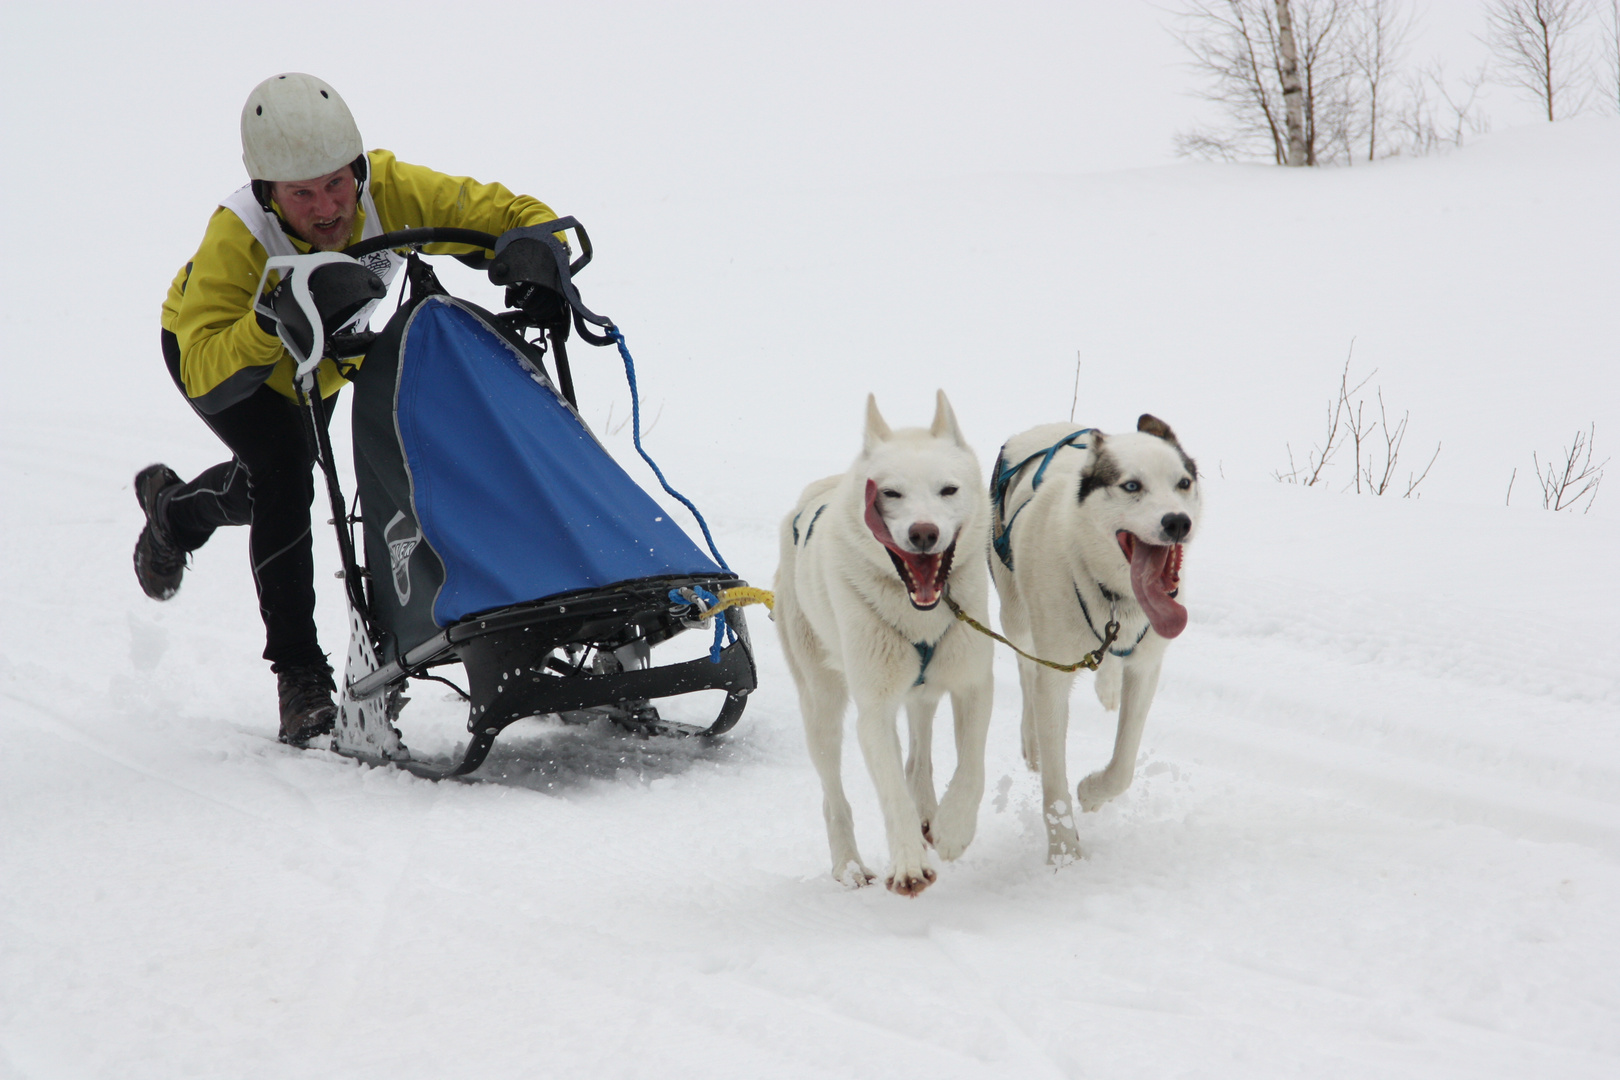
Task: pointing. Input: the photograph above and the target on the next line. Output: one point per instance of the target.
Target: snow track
(1353, 846)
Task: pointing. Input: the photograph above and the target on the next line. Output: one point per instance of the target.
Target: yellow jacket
(209, 309)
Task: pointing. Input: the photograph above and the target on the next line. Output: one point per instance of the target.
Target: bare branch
(1609, 47)
(1563, 486)
(1537, 51)
(1377, 48)
(1412, 485)
(1350, 424)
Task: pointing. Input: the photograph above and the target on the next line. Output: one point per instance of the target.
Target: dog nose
(1176, 527)
(924, 536)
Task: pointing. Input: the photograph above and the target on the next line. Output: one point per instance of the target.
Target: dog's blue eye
(947, 491)
(1131, 486)
(890, 493)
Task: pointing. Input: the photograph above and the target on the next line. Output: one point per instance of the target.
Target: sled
(496, 531)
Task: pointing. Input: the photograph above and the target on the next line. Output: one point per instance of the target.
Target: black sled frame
(582, 655)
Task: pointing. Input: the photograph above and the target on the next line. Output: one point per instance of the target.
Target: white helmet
(296, 127)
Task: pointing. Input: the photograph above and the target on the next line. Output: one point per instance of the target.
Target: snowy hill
(1376, 824)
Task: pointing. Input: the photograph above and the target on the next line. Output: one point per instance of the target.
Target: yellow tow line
(1088, 661)
(741, 596)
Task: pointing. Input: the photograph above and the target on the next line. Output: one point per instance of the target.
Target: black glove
(541, 306)
(533, 264)
(339, 290)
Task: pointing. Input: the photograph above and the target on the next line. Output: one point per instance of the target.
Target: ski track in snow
(1374, 828)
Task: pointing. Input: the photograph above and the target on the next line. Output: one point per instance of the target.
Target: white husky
(866, 560)
(1089, 528)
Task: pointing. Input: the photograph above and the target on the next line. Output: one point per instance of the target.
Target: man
(312, 187)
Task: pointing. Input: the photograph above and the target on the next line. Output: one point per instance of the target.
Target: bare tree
(1535, 45)
(1279, 68)
(1610, 47)
(1230, 45)
(1378, 34)
(1439, 112)
(1320, 29)
(1292, 90)
(1565, 484)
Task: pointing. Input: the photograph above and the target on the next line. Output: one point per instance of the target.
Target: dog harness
(808, 529)
(925, 653)
(1093, 628)
(1003, 480)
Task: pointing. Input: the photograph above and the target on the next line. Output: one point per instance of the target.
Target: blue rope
(635, 431)
(722, 629)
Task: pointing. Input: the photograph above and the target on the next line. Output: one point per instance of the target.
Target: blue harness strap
(1003, 479)
(925, 652)
(811, 528)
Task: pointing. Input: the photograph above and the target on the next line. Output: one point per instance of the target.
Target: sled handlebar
(471, 237)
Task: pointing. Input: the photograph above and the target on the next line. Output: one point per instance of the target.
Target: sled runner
(497, 532)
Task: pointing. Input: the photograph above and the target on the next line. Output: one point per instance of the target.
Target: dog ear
(945, 421)
(1100, 470)
(1152, 425)
(877, 429)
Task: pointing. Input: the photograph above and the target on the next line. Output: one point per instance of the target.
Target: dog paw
(953, 830)
(1094, 791)
(1062, 842)
(1066, 853)
(910, 882)
(854, 874)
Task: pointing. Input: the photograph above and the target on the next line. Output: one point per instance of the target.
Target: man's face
(321, 211)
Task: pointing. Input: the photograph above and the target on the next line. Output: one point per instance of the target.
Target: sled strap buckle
(705, 605)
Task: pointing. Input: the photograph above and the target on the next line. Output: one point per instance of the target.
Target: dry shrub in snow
(1374, 443)
(1564, 484)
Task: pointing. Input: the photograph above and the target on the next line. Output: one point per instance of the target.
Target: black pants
(268, 486)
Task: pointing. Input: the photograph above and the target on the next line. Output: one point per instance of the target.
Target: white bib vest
(266, 229)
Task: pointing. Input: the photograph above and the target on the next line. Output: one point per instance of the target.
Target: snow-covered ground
(1376, 825)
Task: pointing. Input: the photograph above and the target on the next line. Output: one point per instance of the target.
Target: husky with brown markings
(1090, 528)
(867, 558)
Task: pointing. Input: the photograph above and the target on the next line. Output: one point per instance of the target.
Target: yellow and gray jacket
(224, 354)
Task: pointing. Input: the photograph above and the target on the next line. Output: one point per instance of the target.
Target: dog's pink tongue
(925, 575)
(1151, 576)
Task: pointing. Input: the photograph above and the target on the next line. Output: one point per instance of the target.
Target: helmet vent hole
(259, 111)
(324, 94)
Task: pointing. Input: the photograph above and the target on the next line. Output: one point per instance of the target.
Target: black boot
(307, 709)
(159, 564)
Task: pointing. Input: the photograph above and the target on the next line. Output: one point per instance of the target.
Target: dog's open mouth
(923, 573)
(1155, 579)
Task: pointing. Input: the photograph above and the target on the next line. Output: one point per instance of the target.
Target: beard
(333, 238)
